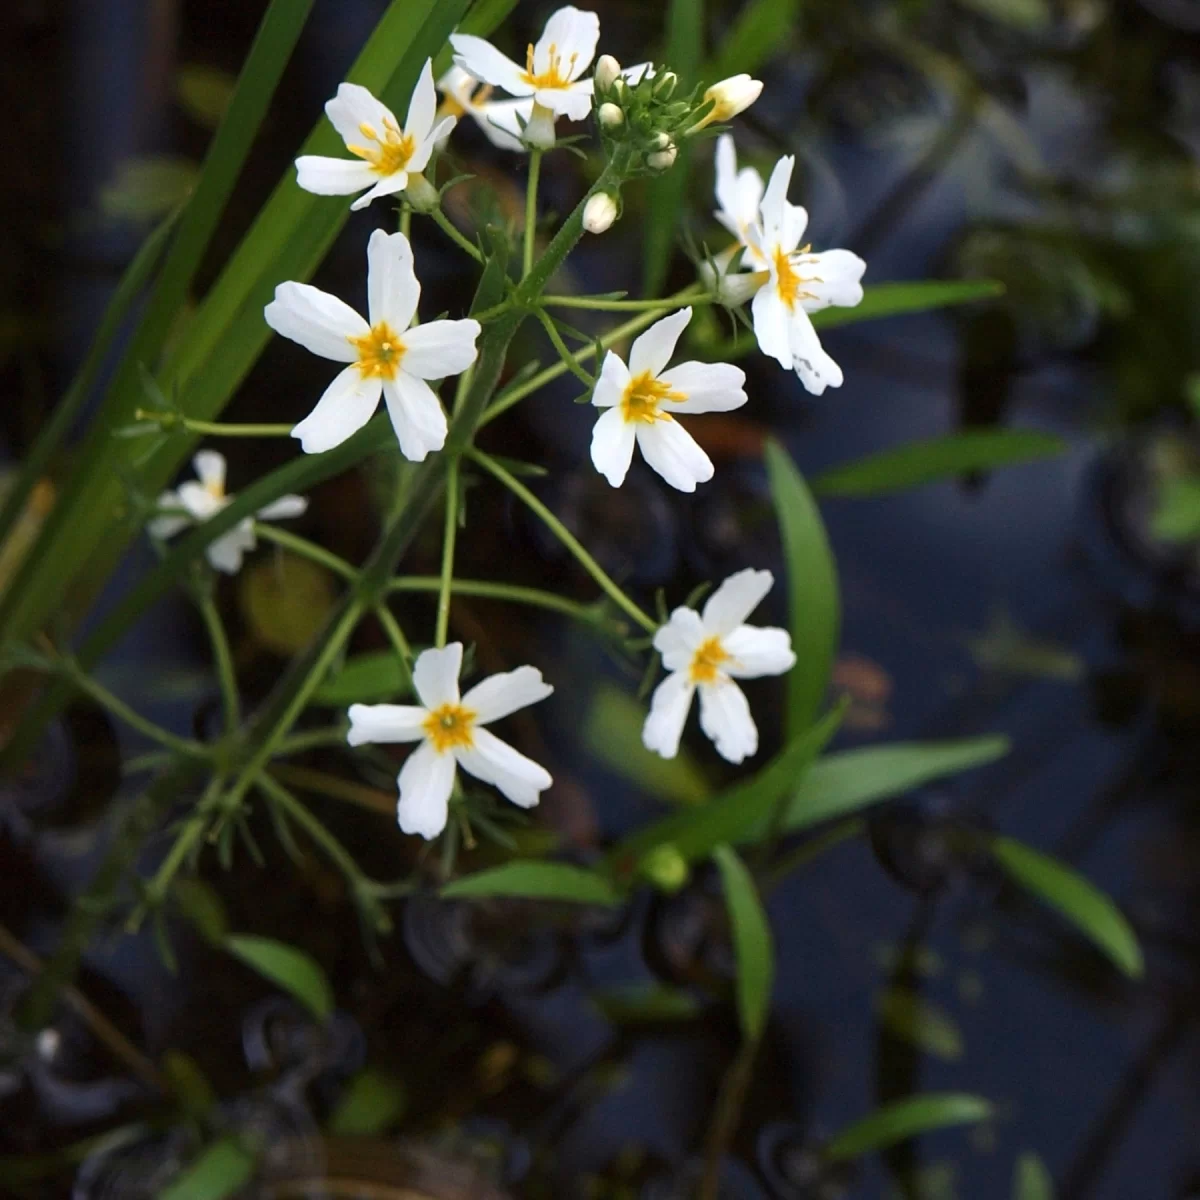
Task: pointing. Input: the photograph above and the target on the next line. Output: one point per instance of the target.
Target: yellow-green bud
(665, 868)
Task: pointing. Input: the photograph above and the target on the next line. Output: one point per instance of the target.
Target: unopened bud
(729, 97)
(607, 72)
(733, 290)
(422, 195)
(660, 141)
(662, 160)
(599, 212)
(665, 867)
(610, 116)
(664, 85)
(538, 133)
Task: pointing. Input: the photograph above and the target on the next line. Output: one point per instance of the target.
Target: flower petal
(709, 387)
(520, 779)
(284, 508)
(459, 86)
(573, 102)
(416, 414)
(347, 405)
(772, 321)
(424, 150)
(435, 675)
(482, 60)
(668, 714)
(833, 277)
(498, 695)
(499, 120)
(674, 454)
(393, 290)
(225, 554)
(652, 351)
(353, 107)
(199, 501)
(167, 526)
(389, 185)
(210, 469)
(421, 107)
(613, 439)
(725, 718)
(377, 724)
(678, 640)
(758, 651)
(571, 34)
(333, 176)
(614, 379)
(318, 321)
(816, 369)
(773, 209)
(426, 781)
(795, 222)
(736, 598)
(440, 348)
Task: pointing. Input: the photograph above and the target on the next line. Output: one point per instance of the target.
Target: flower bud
(665, 867)
(610, 116)
(538, 133)
(729, 97)
(599, 212)
(662, 160)
(664, 85)
(607, 72)
(734, 289)
(660, 141)
(421, 194)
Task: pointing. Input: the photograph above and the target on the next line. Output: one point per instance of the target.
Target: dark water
(1022, 603)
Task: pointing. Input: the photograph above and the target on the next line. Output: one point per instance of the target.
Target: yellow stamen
(450, 726)
(379, 352)
(390, 153)
(787, 278)
(707, 660)
(553, 76)
(642, 398)
(216, 489)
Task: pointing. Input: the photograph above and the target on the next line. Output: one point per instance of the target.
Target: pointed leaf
(221, 1170)
(376, 677)
(646, 1004)
(752, 944)
(907, 1119)
(908, 1015)
(287, 967)
(536, 881)
(891, 299)
(373, 1101)
(762, 31)
(1031, 1180)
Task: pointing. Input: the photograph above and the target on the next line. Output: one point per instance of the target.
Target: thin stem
(535, 170)
(552, 372)
(152, 761)
(123, 712)
(170, 420)
(396, 636)
(563, 353)
(727, 1116)
(336, 788)
(564, 535)
(306, 549)
(312, 739)
(449, 534)
(605, 304)
(189, 836)
(458, 238)
(223, 660)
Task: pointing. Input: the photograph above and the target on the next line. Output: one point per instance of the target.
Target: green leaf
(1079, 901)
(906, 1119)
(372, 1102)
(536, 881)
(201, 904)
(1031, 1180)
(762, 31)
(646, 1004)
(189, 1083)
(1027, 15)
(221, 1170)
(752, 943)
(739, 813)
(612, 732)
(204, 92)
(938, 458)
(289, 968)
(850, 780)
(148, 187)
(365, 679)
(1177, 515)
(813, 601)
(892, 299)
(909, 1016)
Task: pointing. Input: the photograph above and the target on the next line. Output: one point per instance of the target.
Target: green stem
(531, 191)
(131, 717)
(809, 851)
(634, 325)
(311, 739)
(223, 660)
(695, 295)
(170, 420)
(306, 549)
(323, 784)
(567, 357)
(453, 233)
(399, 642)
(449, 534)
(564, 535)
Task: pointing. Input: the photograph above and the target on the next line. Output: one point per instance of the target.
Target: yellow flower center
(643, 396)
(788, 279)
(707, 660)
(215, 488)
(450, 726)
(379, 352)
(391, 151)
(553, 76)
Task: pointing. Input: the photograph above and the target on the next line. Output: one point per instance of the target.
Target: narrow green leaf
(365, 679)
(909, 1016)
(612, 732)
(221, 1170)
(1177, 515)
(762, 31)
(1079, 901)
(850, 780)
(372, 1102)
(646, 1004)
(892, 299)
(1031, 1180)
(204, 92)
(907, 1119)
(289, 968)
(189, 1083)
(201, 904)
(938, 458)
(535, 880)
(752, 944)
(1026, 15)
(813, 600)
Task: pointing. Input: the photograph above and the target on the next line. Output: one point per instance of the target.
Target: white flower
(739, 193)
(707, 652)
(385, 356)
(551, 75)
(501, 120)
(386, 155)
(636, 397)
(599, 212)
(797, 282)
(729, 97)
(204, 497)
(451, 734)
